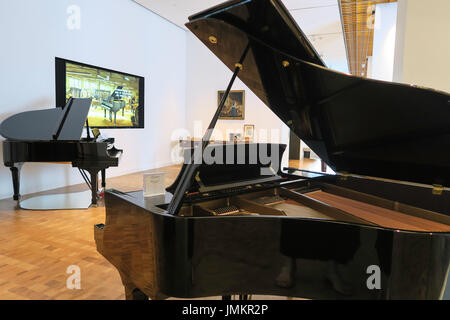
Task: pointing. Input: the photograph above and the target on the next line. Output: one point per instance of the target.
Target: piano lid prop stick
(63, 119)
(191, 169)
(208, 134)
(87, 130)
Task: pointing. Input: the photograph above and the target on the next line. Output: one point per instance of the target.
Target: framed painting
(234, 108)
(249, 132)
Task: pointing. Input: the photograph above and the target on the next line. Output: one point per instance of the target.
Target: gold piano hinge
(239, 65)
(212, 39)
(438, 189)
(95, 131)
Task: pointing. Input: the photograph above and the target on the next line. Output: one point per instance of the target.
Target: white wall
(422, 48)
(206, 75)
(119, 35)
(382, 64)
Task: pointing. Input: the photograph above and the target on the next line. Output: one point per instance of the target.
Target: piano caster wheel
(139, 295)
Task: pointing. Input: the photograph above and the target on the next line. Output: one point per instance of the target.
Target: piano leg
(103, 178)
(93, 172)
(94, 184)
(15, 172)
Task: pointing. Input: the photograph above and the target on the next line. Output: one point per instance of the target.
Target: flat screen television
(117, 97)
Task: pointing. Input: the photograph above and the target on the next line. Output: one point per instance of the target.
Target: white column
(382, 67)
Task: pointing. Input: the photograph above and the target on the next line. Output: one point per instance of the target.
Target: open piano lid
(356, 125)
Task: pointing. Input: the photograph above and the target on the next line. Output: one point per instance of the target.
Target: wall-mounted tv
(117, 97)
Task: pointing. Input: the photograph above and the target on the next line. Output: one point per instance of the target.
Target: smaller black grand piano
(54, 135)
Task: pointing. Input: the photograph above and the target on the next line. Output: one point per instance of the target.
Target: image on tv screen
(115, 96)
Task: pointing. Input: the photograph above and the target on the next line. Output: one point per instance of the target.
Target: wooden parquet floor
(37, 247)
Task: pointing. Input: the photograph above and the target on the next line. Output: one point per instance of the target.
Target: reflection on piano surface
(53, 135)
(226, 229)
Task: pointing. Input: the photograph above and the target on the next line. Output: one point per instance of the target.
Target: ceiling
(358, 20)
(320, 20)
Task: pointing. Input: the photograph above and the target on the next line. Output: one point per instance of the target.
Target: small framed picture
(234, 108)
(249, 132)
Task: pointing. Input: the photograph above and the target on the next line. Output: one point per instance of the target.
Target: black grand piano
(54, 135)
(378, 229)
